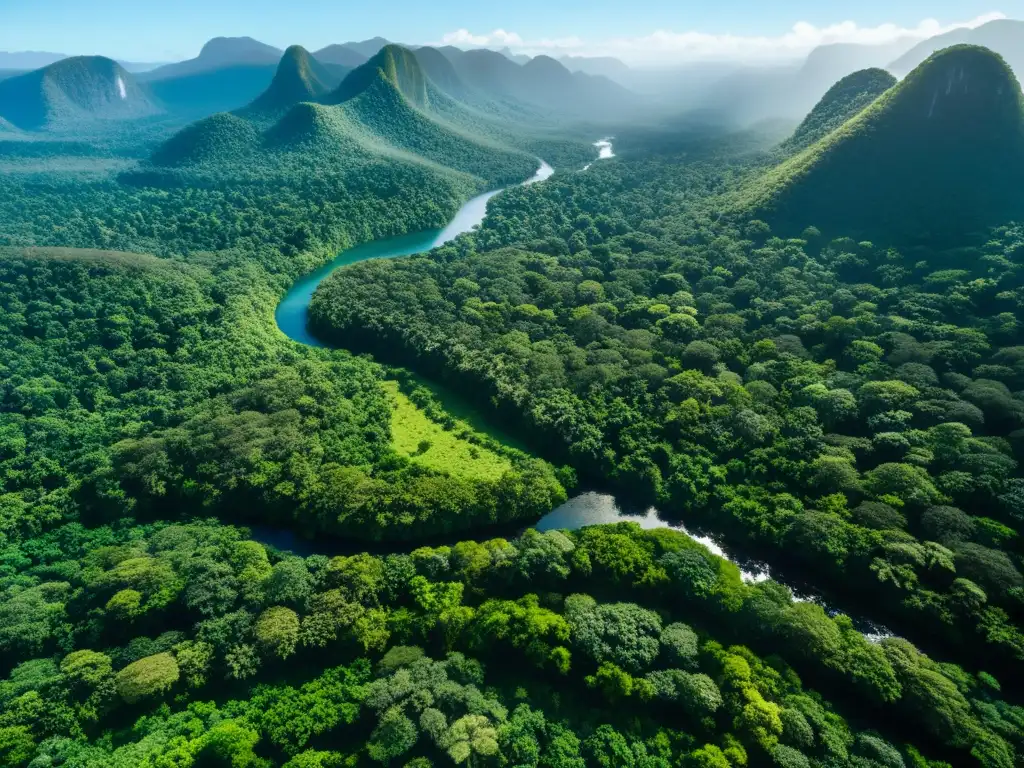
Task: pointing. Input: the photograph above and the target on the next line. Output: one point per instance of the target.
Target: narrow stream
(588, 508)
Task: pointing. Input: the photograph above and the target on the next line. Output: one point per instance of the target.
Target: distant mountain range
(218, 53)
(386, 110)
(940, 154)
(231, 74)
(1003, 36)
(27, 60)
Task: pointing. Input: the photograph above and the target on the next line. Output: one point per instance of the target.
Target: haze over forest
(575, 396)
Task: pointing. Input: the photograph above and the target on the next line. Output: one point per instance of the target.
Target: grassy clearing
(457, 406)
(445, 451)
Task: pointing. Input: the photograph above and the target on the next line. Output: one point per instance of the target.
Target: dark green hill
(384, 108)
(299, 77)
(82, 88)
(840, 103)
(939, 155)
(394, 64)
(219, 138)
(316, 128)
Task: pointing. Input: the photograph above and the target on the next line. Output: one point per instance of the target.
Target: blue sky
(144, 30)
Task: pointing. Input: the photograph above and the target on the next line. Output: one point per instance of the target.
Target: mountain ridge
(1002, 36)
(840, 103)
(218, 53)
(941, 154)
(299, 77)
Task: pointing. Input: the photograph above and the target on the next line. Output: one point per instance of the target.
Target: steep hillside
(940, 154)
(78, 89)
(391, 97)
(218, 53)
(1004, 36)
(840, 103)
(341, 55)
(217, 138)
(394, 64)
(382, 109)
(319, 129)
(299, 77)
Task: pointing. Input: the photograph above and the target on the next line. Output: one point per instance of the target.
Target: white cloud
(667, 46)
(499, 37)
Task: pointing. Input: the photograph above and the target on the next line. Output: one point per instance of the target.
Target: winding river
(292, 313)
(587, 508)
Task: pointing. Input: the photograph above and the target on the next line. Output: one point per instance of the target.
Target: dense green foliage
(170, 393)
(850, 411)
(116, 622)
(841, 102)
(823, 400)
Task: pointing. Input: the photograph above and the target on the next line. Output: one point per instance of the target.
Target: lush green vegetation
(843, 405)
(425, 441)
(220, 647)
(137, 384)
(841, 102)
(848, 410)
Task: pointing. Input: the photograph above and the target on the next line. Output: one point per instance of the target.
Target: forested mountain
(299, 77)
(843, 101)
(441, 72)
(1004, 36)
(73, 91)
(380, 113)
(955, 123)
(394, 65)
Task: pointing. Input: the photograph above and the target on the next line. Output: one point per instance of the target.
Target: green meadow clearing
(427, 443)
